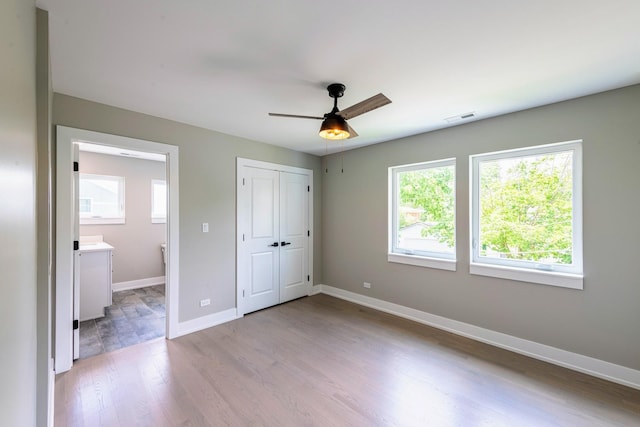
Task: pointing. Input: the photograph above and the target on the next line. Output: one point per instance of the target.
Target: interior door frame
(64, 254)
(240, 164)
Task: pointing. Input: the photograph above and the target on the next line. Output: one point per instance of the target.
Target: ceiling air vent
(465, 116)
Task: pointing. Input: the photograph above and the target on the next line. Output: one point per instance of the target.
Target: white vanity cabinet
(94, 279)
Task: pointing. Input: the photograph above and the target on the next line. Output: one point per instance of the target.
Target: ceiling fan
(334, 123)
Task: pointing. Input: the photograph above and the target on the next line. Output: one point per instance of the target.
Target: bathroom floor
(136, 316)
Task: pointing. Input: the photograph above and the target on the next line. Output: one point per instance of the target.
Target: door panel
(261, 267)
(263, 207)
(262, 274)
(294, 231)
(294, 273)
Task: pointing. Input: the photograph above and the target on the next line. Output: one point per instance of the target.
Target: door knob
(275, 244)
(285, 243)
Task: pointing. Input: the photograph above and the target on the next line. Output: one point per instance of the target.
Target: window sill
(439, 263)
(158, 220)
(564, 280)
(101, 221)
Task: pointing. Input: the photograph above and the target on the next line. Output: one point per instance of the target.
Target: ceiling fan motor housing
(336, 90)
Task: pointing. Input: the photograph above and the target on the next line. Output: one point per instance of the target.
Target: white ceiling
(224, 64)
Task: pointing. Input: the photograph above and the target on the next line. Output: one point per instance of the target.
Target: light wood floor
(326, 362)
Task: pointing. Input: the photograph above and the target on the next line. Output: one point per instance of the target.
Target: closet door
(294, 236)
(259, 262)
(274, 237)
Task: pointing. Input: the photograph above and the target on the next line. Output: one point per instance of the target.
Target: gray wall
(207, 194)
(600, 321)
(17, 213)
(136, 243)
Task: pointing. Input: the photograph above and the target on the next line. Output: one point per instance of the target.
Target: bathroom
(122, 207)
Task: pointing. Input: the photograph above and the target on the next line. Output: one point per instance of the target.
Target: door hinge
(243, 293)
(242, 181)
(76, 245)
(76, 166)
(76, 324)
(308, 278)
(243, 237)
(308, 188)
(308, 233)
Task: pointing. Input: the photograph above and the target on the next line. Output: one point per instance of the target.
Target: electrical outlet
(367, 285)
(205, 227)
(205, 302)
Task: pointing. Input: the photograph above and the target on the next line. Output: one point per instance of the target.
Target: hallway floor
(136, 316)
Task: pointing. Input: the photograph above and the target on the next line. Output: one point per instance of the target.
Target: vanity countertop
(93, 247)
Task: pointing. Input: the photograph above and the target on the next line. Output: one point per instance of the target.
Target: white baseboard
(52, 388)
(574, 361)
(205, 322)
(136, 284)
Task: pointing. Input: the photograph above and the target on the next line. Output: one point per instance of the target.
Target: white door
(262, 239)
(274, 237)
(76, 254)
(294, 236)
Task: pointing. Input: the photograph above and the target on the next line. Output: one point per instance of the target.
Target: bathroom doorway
(67, 320)
(122, 212)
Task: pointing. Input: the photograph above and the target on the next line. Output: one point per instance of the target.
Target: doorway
(122, 215)
(66, 326)
(274, 249)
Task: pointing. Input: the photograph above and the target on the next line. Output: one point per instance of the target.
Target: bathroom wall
(136, 243)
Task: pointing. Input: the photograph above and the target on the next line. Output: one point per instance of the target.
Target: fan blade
(295, 116)
(365, 106)
(352, 133)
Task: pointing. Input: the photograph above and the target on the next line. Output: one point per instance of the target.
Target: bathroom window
(158, 201)
(101, 199)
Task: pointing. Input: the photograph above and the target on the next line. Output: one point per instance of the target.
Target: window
(526, 219)
(158, 201)
(422, 214)
(101, 199)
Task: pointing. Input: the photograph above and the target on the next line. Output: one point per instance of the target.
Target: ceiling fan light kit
(334, 127)
(334, 124)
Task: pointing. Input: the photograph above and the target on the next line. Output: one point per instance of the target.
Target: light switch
(205, 227)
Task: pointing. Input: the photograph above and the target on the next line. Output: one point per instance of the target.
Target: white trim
(421, 261)
(66, 137)
(205, 322)
(101, 221)
(564, 280)
(137, 284)
(51, 392)
(574, 361)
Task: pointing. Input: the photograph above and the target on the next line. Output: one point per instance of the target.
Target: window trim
(105, 220)
(157, 219)
(526, 271)
(438, 260)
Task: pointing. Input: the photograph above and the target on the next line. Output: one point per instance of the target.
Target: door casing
(64, 254)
